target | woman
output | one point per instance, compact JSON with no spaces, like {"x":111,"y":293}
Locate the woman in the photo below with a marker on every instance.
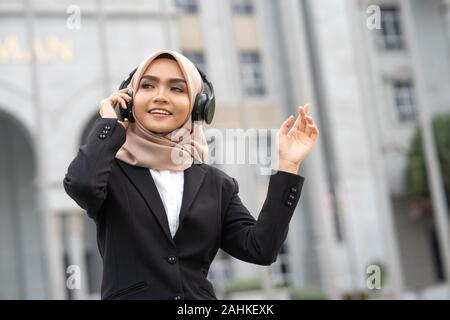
{"x":161,"y":212}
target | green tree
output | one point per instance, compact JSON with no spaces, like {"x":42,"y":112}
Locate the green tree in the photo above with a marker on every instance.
{"x":416,"y":175}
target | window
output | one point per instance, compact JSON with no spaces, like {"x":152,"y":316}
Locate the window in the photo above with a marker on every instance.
{"x":186,"y":6}
{"x":242,"y":6}
{"x":251,"y":73}
{"x":391,"y":37}
{"x":404,"y":100}
{"x":197,"y":58}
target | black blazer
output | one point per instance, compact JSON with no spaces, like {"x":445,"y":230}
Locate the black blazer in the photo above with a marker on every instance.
{"x":140,"y":258}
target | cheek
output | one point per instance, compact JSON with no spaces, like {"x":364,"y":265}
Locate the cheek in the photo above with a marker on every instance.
{"x":139,"y":104}
{"x":182,"y":106}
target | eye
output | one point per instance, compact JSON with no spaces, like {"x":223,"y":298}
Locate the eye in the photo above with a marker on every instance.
{"x":147,"y":85}
{"x":176,"y":88}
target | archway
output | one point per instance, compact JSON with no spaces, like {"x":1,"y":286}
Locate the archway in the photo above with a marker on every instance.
{"x":21,"y":246}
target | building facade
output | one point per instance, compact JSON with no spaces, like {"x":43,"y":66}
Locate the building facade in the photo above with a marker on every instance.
{"x":265,"y":57}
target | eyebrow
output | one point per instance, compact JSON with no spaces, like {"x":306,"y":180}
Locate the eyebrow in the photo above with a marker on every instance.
{"x":172,"y":80}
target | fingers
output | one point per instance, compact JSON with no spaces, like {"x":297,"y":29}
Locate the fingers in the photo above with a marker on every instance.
{"x":309,"y":129}
{"x":309,"y":120}
{"x":121,"y":97}
{"x":312,"y":131}
{"x":314,"y":134}
{"x":301,"y":122}
{"x":124,"y":96}
{"x":106,"y":106}
{"x":306,"y":108}
{"x":284,"y":129}
{"x":305,"y":122}
{"x":124,"y":123}
{"x":121,"y":101}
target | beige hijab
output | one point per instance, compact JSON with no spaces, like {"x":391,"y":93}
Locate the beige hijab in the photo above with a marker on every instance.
{"x":173,"y":151}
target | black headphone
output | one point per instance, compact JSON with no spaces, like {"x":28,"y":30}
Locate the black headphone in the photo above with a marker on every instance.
{"x":204,"y":104}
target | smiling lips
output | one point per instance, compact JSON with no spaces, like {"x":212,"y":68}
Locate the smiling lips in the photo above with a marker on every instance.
{"x":159,"y":113}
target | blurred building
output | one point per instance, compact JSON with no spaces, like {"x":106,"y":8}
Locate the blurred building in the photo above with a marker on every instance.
{"x":264,"y":58}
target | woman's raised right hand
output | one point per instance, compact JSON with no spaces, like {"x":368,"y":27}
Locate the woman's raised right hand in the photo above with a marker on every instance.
{"x":106,"y":106}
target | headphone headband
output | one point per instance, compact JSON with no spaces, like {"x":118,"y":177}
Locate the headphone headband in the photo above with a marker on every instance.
{"x":127,"y":81}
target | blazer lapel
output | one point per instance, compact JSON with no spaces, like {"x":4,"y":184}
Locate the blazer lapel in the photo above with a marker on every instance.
{"x":193,"y":179}
{"x":143,"y":181}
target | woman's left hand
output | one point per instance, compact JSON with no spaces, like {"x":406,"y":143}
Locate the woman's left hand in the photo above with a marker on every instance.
{"x":296,"y":142}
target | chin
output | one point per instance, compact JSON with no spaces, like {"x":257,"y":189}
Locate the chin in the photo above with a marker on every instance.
{"x":165,"y":126}
{"x":159,"y":128}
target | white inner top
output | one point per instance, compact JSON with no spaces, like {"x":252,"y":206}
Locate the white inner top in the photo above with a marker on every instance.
{"x":170,"y":185}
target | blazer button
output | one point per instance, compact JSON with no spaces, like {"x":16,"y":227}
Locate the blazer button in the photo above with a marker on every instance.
{"x":289,"y":203}
{"x":172,"y":259}
{"x":107,"y":127}
{"x":291,"y":197}
{"x":105,"y":131}
{"x":294,"y":189}
{"x":177,"y":298}
{"x":102,"y":136}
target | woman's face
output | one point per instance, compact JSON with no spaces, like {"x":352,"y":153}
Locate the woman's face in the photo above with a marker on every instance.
{"x":161,"y":102}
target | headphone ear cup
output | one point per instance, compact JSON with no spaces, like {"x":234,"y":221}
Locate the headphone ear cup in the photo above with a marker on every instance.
{"x":130,"y":107}
{"x":127,"y":113}
{"x":199,"y":106}
{"x":208,"y":112}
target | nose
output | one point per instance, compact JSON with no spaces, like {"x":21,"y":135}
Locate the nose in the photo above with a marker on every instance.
{"x":160,"y":98}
